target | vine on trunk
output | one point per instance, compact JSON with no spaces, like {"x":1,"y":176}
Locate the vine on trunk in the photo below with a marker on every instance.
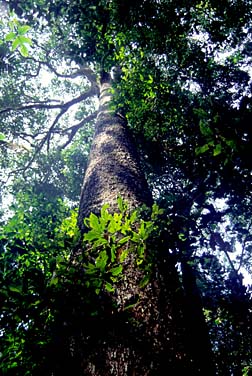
{"x":109,"y":240}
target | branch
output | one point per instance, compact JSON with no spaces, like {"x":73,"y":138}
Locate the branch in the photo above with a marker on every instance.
{"x":73,"y":130}
{"x":37,"y":105}
{"x":89,"y":93}
{"x":83,"y":71}
{"x":43,"y":105}
{"x":50,"y":131}
{"x":244,"y":247}
{"x":31,"y":75}
{"x":31,"y":100}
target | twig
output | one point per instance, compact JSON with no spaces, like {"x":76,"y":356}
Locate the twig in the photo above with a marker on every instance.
{"x":73,"y":130}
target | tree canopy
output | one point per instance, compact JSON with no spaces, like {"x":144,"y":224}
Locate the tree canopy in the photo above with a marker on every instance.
{"x":181,"y":78}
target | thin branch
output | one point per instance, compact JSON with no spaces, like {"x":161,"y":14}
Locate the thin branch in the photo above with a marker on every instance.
{"x":244,"y":247}
{"x":89,"y":93}
{"x":42,"y":105}
{"x":51,"y":129}
{"x":76,"y":127}
{"x":30,"y":75}
{"x":73,"y":130}
{"x":82,"y":71}
{"x":32,"y":100}
{"x":30,"y":106}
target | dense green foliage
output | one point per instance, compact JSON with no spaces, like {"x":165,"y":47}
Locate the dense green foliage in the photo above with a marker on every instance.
{"x":41,"y":280}
{"x":185,"y":89}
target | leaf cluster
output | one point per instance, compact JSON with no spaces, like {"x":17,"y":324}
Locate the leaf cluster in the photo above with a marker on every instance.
{"x":15,"y":33}
{"x":45,"y":284}
{"x":109,"y":240}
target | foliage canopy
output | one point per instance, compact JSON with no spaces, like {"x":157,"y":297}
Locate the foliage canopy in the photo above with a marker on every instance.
{"x":185,"y":89}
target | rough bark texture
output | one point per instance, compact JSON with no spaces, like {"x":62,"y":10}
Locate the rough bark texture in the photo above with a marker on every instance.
{"x":144,"y":340}
{"x":138,"y":331}
{"x":113,"y":167}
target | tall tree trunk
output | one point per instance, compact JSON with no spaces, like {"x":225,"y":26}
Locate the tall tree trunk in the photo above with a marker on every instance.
{"x":114,"y":168}
{"x":140,"y":331}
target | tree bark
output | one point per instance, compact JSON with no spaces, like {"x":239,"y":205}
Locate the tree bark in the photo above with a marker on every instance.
{"x":114,"y":167}
{"x":139,"y":330}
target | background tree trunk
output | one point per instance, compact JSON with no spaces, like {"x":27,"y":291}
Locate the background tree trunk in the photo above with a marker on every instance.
{"x":198,"y":342}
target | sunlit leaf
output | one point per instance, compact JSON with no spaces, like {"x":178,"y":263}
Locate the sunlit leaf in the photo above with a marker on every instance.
{"x":116,"y":270}
{"x":101,"y":260}
{"x":24,"y":40}
{"x":23,"y":29}
{"x":24,"y":50}
{"x":15,"y":44}
{"x":10,"y":36}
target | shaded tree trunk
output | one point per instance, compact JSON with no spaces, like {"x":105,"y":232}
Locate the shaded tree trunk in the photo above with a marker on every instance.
{"x":198,"y":342}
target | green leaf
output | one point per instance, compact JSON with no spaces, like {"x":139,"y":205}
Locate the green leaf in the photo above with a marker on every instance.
{"x":2,"y":137}
{"x":218,"y":321}
{"x":10,"y":36}
{"x":15,"y":289}
{"x":201,"y":149}
{"x":144,"y":281}
{"x":94,"y":221}
{"x":150,"y":81}
{"x":182,"y":237}
{"x":123,"y":240}
{"x":217,"y":150}
{"x":24,"y":40}
{"x":101,"y":260}
{"x":133,"y":216}
{"x":90,"y":268}
{"x":231,"y":143}
{"x":92,"y":235}
{"x":120,"y":203}
{"x":24,"y":50}
{"x":141,"y":252}
{"x":15,"y":44}
{"x":113,"y":252}
{"x":105,"y":215}
{"x":115,"y":224}
{"x":54,"y":281}
{"x":123,"y":255}
{"x":109,"y":287}
{"x":205,"y":129}
{"x":99,"y":242}
{"x":23,"y":29}
{"x":117,"y":270}
{"x":135,"y":237}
